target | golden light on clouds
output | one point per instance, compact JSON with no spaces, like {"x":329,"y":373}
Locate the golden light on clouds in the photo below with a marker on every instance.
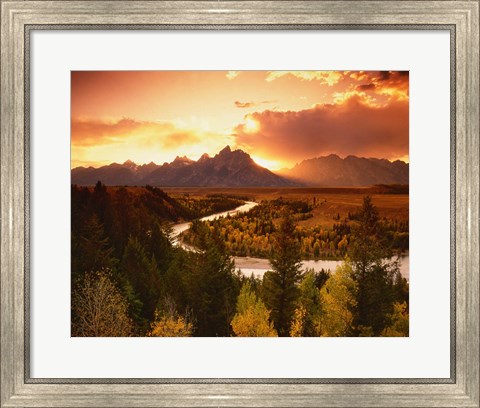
{"x":251,"y":125}
{"x":342,"y":97}
{"x":326,"y":77}
{"x":232,"y":74}
{"x":141,"y":142}
{"x":278,"y":117}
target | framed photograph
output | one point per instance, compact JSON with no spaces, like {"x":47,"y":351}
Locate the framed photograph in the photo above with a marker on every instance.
{"x":239,"y":203}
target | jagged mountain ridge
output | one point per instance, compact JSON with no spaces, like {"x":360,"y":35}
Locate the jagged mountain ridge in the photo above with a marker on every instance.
{"x":226,"y":169}
{"x":237,"y":169}
{"x":331,"y":170}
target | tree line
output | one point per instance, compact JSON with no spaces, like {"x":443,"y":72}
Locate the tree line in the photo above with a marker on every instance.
{"x":252,"y":233}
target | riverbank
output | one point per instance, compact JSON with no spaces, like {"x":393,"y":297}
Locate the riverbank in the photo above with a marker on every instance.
{"x":258,"y":266}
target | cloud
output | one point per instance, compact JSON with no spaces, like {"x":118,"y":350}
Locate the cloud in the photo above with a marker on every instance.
{"x":176,"y":140}
{"x":366,"y":87}
{"x":166,"y":135}
{"x":392,"y":84}
{"x":329,"y":78}
{"x":360,"y":75}
{"x":239,"y":104}
{"x":232,"y":74}
{"x":351,"y":126}
{"x":88,"y":132}
{"x":382,"y":86}
{"x":97,"y":141}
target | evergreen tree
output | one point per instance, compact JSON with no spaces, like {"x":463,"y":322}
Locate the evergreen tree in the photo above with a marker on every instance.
{"x":91,"y":250}
{"x":309,"y":308}
{"x":321,"y":277}
{"x":280,"y":285}
{"x":369,"y":253}
{"x":178,"y":278}
{"x":125,"y":222}
{"x":102,"y":204}
{"x":160,"y":245}
{"x":213,"y":284}
{"x":142,"y":274}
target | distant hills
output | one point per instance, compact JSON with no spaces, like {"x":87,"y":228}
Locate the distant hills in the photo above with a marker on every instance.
{"x":330,"y":171}
{"x":235,"y":168}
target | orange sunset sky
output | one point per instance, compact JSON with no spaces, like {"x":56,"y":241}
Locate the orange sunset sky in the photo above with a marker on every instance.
{"x":278,"y":117}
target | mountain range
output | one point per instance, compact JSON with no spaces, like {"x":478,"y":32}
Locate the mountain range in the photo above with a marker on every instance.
{"x":235,"y":168}
{"x":329,"y":171}
{"x":226,"y":169}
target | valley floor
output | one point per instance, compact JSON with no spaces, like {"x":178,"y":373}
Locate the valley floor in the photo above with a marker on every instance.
{"x":328,"y":202}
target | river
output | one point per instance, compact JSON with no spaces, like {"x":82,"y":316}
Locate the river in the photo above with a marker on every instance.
{"x":177,"y":229}
{"x":258,"y":266}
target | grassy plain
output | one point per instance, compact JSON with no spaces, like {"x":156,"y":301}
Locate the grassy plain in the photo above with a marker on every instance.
{"x":328,"y":203}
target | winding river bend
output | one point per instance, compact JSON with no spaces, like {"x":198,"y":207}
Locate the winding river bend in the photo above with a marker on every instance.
{"x":177,"y":229}
{"x":258,"y":266}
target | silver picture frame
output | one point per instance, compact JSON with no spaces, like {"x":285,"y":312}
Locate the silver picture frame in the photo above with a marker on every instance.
{"x":20,"y":18}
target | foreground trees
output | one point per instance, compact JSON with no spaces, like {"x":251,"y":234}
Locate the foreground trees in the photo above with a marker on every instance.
{"x":142,"y":273}
{"x":130,"y":280}
{"x":169,"y":323}
{"x":91,"y":249}
{"x":252,"y":317}
{"x":366,"y":296}
{"x":280,"y":286}
{"x":309,"y":309}
{"x":399,"y":321}
{"x":212,"y":283}
{"x":376,"y":277}
{"x":339,"y":301}
{"x":98,"y":307}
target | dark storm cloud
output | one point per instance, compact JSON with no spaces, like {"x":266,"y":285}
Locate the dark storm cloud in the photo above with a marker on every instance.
{"x":366,"y":87}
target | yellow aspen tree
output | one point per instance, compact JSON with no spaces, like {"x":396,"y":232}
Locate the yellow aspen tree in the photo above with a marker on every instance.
{"x":169,"y":323}
{"x":399,"y":326}
{"x":252,"y":317}
{"x":338,"y":297}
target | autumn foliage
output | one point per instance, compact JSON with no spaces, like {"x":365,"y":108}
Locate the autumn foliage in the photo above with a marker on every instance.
{"x":252,"y":318}
{"x":98,"y":307}
{"x":129,"y":278}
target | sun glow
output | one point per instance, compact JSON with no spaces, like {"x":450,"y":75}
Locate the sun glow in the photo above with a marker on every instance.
{"x":269,"y":164}
{"x":251,"y":125}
